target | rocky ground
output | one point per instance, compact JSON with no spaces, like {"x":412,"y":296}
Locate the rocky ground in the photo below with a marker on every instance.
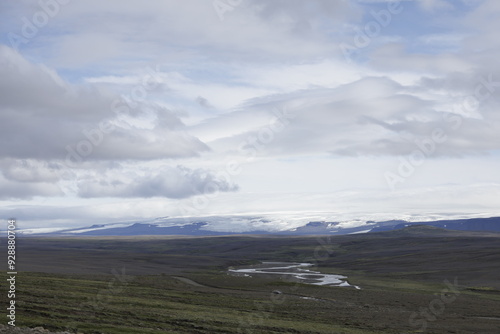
{"x":36,"y":330}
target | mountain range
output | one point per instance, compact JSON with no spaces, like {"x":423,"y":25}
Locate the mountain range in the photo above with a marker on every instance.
{"x":206,"y":227}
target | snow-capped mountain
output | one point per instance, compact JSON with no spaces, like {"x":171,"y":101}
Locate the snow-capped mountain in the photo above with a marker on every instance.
{"x":206,"y":226}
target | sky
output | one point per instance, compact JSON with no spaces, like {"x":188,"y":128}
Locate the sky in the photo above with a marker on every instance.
{"x":295,"y":110}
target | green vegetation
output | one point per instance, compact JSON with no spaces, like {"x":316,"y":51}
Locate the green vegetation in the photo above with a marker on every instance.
{"x":166,"y":285}
{"x":162,"y":304}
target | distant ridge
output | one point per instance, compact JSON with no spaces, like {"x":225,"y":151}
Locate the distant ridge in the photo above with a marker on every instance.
{"x":206,"y":227}
{"x":473,"y":224}
{"x":422,"y":230}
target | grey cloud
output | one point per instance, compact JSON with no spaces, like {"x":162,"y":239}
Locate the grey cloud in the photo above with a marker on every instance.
{"x":302,"y":12}
{"x":52,"y":130}
{"x":203,"y":102}
{"x":29,"y":170}
{"x":41,"y":116}
{"x":178,"y":182}
{"x":24,"y":190}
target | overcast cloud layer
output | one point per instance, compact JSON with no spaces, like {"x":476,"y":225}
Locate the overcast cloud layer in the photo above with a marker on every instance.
{"x":321,"y":109}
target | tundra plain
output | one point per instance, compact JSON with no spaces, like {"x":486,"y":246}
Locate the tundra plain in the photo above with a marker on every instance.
{"x":415,"y":280}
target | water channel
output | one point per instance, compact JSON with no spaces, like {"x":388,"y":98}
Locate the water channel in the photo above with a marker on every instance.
{"x":295,"y":272}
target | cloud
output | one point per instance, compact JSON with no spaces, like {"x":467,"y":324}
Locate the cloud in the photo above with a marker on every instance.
{"x":22,"y":190}
{"x":170,"y":182}
{"x":29,"y":170}
{"x":104,"y":37}
{"x":373,"y":116}
{"x":203,"y":102}
{"x":434,"y":5}
{"x":53,"y":130}
{"x":393,"y":58}
{"x":44,"y":117}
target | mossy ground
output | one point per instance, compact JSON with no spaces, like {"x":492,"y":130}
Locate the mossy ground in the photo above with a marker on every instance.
{"x":133,"y":286}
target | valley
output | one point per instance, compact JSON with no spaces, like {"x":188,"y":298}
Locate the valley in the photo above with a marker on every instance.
{"x":414,"y":280}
